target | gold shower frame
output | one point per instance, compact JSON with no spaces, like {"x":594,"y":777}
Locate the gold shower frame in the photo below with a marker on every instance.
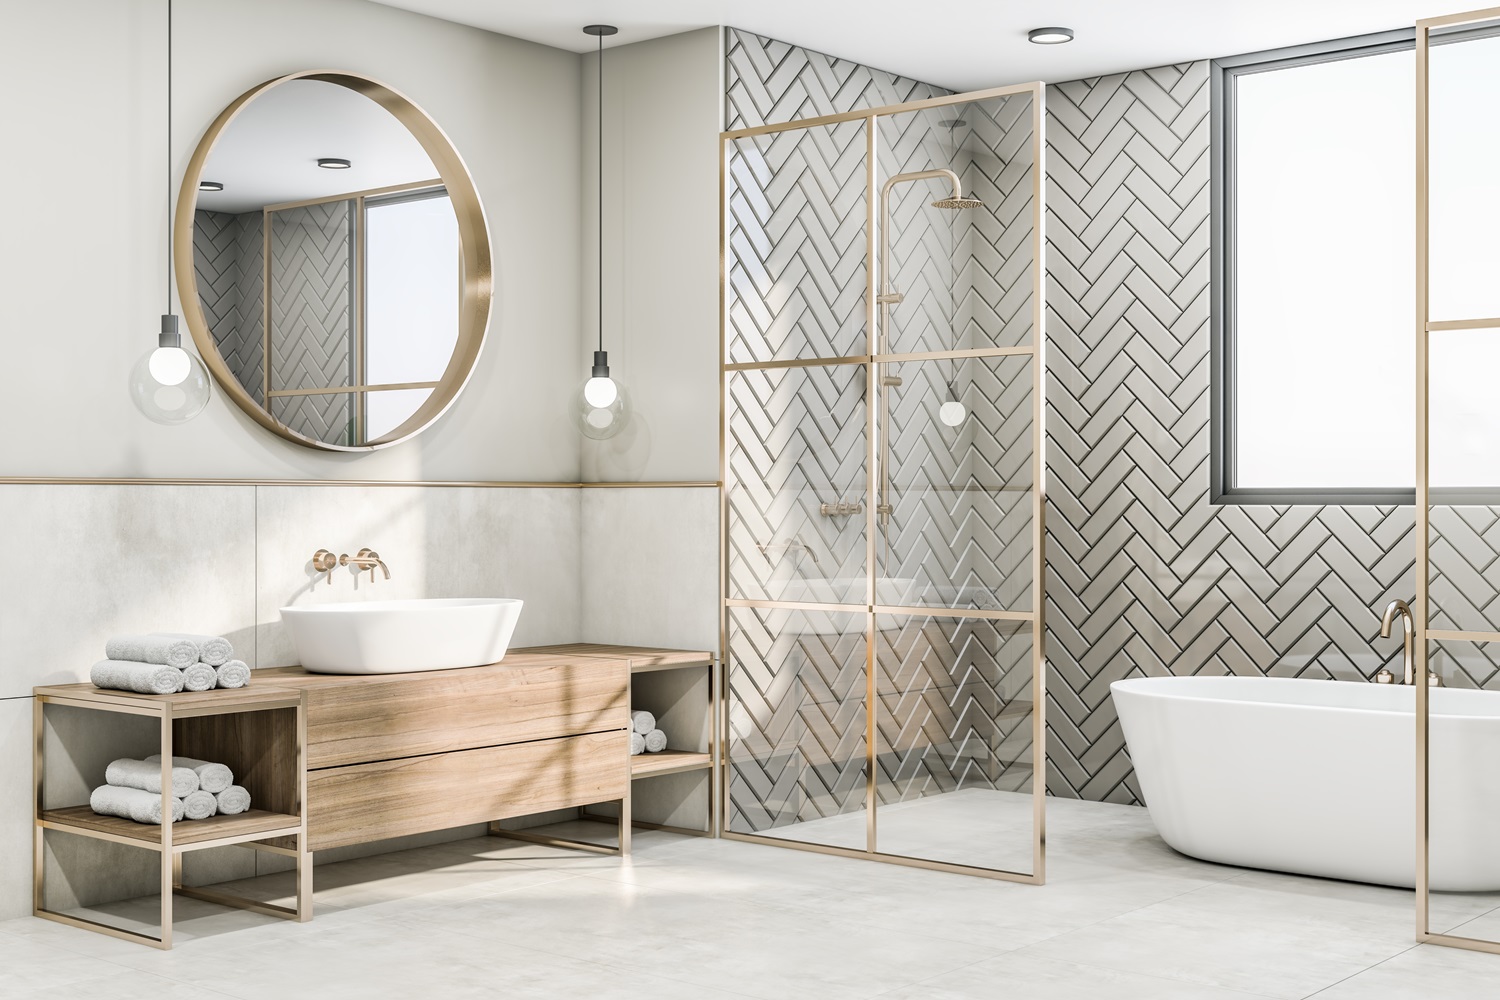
{"x":1425,"y":326}
{"x":872,"y":362}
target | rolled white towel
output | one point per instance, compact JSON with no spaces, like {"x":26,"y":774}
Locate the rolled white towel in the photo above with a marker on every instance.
{"x":215,"y":650}
{"x":131,"y":803}
{"x":146,"y":775}
{"x":637,"y":744}
{"x":200,"y":805}
{"x":142,"y":678}
{"x":233,"y":800}
{"x":212,"y":778}
{"x":656,"y":741}
{"x":642,"y":722}
{"x":234,"y":674}
{"x":199,"y":677}
{"x":174,"y":651}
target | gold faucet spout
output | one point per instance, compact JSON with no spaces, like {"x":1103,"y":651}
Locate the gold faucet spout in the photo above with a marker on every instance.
{"x":1408,"y":630}
{"x":366,"y":559}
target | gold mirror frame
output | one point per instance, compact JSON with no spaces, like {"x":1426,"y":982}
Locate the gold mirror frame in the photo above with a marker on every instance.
{"x":477,"y":279}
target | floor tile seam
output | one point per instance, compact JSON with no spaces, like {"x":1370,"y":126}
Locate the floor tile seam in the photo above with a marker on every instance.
{"x":1412,"y":947}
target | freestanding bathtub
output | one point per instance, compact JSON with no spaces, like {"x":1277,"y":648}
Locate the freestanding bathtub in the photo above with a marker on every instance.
{"x":1317,"y":777}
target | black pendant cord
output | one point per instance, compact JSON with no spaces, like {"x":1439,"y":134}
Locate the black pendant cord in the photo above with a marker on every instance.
{"x":601,"y":192}
{"x":168,"y":309}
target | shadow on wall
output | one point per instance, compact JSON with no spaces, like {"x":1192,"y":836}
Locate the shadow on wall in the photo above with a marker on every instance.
{"x":622,"y":458}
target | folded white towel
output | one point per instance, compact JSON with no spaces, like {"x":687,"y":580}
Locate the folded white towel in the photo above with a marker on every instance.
{"x":174,"y":651}
{"x":656,"y":741}
{"x":146,"y":775}
{"x":215,"y":650}
{"x":199,"y":677}
{"x":142,"y":678}
{"x":637,"y":744}
{"x":131,"y":803}
{"x":642,"y":722}
{"x":233,"y":800}
{"x":200,"y":805}
{"x":213,"y":778}
{"x":234,"y":674}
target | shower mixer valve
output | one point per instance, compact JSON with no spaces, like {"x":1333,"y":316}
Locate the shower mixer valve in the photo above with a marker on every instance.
{"x":841,"y":509}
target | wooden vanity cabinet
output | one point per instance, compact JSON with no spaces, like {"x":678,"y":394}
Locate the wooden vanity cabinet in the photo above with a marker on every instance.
{"x":395,"y":754}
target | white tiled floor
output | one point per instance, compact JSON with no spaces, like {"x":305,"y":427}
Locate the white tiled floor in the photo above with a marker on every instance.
{"x":1122,"y":917}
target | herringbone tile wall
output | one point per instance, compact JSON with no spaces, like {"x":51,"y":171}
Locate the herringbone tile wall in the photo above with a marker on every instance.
{"x":227,"y":255}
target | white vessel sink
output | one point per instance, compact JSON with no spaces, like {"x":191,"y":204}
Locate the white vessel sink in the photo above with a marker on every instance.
{"x":392,"y":637}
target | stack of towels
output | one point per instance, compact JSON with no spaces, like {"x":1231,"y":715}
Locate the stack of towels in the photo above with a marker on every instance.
{"x":644,"y":736}
{"x":200,"y":789}
{"x":168,"y":662}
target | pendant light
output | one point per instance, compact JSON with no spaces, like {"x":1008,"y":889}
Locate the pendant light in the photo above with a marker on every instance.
{"x":169,"y":384}
{"x":601,"y":407}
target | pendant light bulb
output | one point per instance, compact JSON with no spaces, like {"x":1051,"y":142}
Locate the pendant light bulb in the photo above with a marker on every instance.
{"x":600,"y":392}
{"x":169,"y":365}
{"x":952,"y":412}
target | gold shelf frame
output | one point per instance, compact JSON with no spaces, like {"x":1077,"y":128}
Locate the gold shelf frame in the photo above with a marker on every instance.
{"x":1425,"y":326}
{"x":872,"y":362}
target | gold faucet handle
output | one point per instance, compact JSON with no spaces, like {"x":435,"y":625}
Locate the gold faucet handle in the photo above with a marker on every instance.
{"x":324,"y":561}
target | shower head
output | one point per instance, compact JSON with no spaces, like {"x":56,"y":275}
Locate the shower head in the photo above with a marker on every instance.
{"x":958,"y":201}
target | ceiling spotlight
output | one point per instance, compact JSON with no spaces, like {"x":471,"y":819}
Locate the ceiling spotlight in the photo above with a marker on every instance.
{"x":210,"y":186}
{"x":334,"y":163}
{"x":1049,"y":36}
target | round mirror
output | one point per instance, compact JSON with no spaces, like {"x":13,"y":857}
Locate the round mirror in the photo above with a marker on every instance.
{"x":333,"y":260}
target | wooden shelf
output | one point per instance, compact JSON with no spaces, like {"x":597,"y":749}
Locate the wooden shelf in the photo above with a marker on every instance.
{"x":647,"y":765}
{"x":254,"y":824}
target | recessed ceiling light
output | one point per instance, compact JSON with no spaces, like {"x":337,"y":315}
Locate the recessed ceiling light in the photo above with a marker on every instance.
{"x":333,"y":163}
{"x":1049,"y":36}
{"x":210,"y":186}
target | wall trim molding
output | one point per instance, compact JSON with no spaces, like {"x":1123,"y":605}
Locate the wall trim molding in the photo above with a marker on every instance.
{"x":472,"y":484}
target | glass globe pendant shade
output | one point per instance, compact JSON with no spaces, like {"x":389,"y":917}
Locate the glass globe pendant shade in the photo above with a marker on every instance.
{"x":168,"y":384}
{"x":602,"y":407}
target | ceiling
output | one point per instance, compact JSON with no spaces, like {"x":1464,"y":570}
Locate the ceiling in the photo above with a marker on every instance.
{"x":268,"y":155}
{"x":962,"y":44}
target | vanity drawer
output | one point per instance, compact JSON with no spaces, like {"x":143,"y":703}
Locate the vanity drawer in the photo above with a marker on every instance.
{"x":393,"y":798}
{"x":406,"y":715}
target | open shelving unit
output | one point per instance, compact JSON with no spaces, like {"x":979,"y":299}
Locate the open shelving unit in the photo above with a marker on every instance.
{"x":260,"y":732}
{"x":646,"y":661}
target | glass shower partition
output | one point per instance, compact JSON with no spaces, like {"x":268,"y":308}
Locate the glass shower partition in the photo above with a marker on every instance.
{"x":1457,"y":608}
{"x":882,"y":467}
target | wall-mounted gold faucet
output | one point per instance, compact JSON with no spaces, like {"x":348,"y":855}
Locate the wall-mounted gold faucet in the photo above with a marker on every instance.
{"x":324,"y":561}
{"x":366,"y":559}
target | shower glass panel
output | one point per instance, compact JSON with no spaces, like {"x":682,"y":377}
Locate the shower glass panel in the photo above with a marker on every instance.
{"x":798,"y":760}
{"x":1457,"y":606}
{"x":882,"y":475}
{"x":957,"y":472}
{"x":797,"y":234}
{"x":797,"y":447}
{"x":954,"y":739}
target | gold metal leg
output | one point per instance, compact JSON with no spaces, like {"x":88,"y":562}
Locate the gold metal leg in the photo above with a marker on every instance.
{"x":304,"y":880}
{"x":625,"y":826}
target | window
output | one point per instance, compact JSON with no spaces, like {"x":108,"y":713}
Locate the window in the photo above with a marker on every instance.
{"x":1314,"y":297}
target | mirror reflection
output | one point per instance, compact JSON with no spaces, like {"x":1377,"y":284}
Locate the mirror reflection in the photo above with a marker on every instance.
{"x":328,"y":262}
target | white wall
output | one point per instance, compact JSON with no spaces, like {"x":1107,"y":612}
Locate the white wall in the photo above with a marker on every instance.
{"x":82,"y":257}
{"x":663,"y":107}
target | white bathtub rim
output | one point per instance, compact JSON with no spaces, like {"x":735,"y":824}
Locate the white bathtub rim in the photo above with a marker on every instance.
{"x":1143,"y":687}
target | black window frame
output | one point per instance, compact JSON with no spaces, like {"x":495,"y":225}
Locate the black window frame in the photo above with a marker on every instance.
{"x":1222,"y":76}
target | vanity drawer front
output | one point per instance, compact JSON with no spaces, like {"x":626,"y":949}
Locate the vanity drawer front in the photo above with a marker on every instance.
{"x":365,"y":802}
{"x":351,"y":723}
